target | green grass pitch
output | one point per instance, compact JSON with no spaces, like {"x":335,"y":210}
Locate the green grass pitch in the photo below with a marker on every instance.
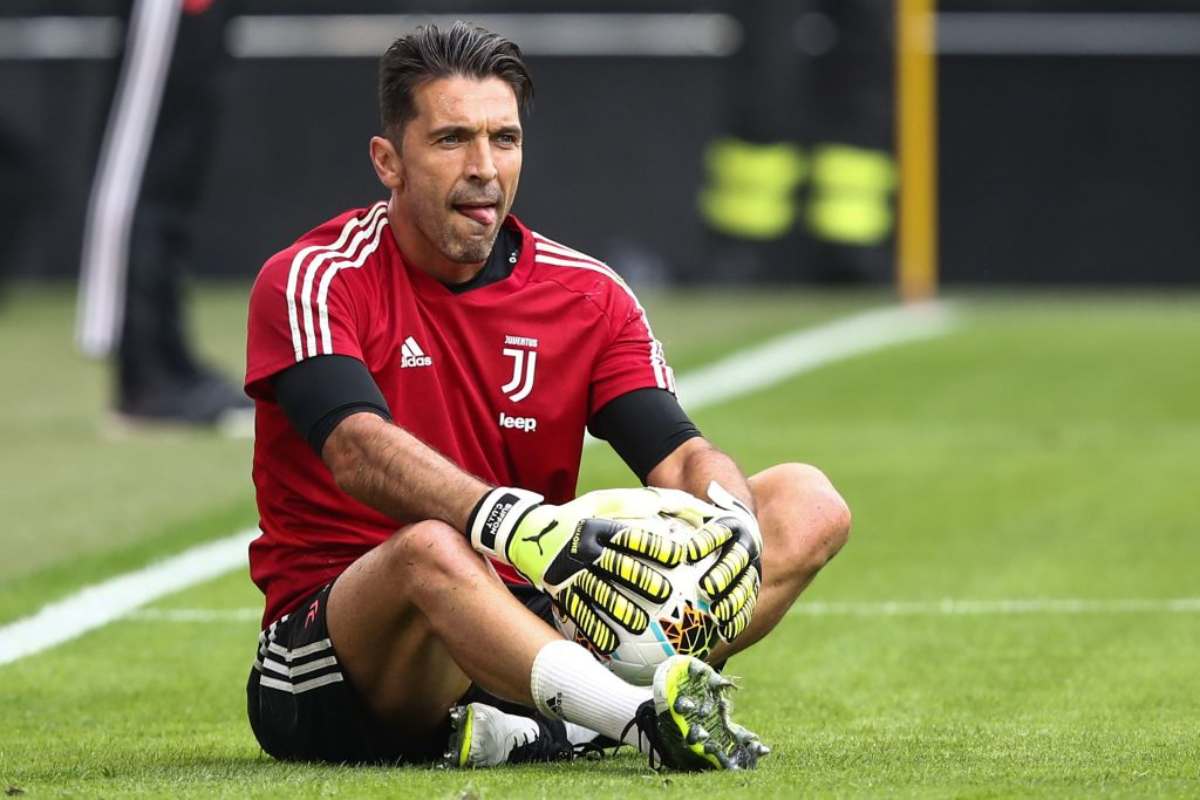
{"x":1048,"y":447}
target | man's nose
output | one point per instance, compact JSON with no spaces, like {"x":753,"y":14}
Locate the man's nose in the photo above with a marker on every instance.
{"x":480,"y":165}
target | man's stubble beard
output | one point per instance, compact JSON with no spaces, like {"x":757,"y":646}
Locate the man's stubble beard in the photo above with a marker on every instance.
{"x":438,"y":229}
{"x":469,"y":251}
{"x":430,"y":219}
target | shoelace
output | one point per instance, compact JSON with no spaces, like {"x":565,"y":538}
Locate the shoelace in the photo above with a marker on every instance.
{"x":546,"y":746}
{"x":539,"y":748}
{"x":654,"y":749}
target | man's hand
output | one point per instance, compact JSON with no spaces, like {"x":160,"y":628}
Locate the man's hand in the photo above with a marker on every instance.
{"x":733,"y":582}
{"x":583,"y":553}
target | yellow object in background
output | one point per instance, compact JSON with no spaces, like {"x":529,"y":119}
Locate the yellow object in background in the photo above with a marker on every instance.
{"x":751,"y":189}
{"x":851,"y":199}
{"x":916,"y":147}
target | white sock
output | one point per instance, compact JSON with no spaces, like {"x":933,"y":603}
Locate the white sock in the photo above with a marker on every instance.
{"x":568,"y":684}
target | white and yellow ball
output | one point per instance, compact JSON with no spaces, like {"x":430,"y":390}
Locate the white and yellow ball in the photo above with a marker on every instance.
{"x":679,"y":625}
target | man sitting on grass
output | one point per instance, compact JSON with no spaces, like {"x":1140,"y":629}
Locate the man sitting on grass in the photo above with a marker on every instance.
{"x":424,"y":370}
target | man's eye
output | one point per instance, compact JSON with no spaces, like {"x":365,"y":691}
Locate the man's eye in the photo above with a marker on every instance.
{"x":451,"y":138}
{"x":506,"y":138}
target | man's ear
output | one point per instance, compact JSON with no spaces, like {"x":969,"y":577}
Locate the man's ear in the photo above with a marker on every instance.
{"x":387,"y":163}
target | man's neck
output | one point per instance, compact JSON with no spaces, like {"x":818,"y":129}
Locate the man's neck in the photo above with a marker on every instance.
{"x":422,"y":254}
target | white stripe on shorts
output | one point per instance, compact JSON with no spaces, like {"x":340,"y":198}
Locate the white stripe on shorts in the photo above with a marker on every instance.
{"x":304,"y":686}
{"x":299,"y":652}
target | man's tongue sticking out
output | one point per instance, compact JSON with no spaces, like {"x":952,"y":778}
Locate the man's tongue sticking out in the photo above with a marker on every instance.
{"x":484,"y":215}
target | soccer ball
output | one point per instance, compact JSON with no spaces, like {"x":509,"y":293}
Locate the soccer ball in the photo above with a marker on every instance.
{"x":681,"y":624}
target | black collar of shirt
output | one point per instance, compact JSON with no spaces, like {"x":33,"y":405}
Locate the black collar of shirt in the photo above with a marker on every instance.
{"x":499,"y":265}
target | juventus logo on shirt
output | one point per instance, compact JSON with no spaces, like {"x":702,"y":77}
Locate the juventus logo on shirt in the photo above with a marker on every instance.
{"x":523,"y":351}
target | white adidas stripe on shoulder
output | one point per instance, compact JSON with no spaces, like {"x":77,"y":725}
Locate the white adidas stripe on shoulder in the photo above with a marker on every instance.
{"x":293,"y":276}
{"x":544,"y":246}
{"x":376,"y":236}
{"x":557,"y":254}
{"x":358,"y":228}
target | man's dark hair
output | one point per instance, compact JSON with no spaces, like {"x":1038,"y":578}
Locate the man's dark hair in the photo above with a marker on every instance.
{"x":428,"y":54}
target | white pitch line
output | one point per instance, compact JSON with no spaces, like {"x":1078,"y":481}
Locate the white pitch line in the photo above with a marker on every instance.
{"x":101,"y":603}
{"x":784,"y":357}
{"x":946,"y":607}
{"x":741,"y":373}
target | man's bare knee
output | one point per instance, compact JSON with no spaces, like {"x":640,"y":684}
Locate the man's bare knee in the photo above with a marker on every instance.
{"x":810,"y":519}
{"x":430,"y":557}
{"x":816,"y":496}
{"x":380,"y":622}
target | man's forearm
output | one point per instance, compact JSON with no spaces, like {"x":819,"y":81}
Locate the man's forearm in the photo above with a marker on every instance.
{"x":694,"y":465}
{"x":390,"y":470}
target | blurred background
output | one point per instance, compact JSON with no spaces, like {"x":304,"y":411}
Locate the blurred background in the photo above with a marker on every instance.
{"x":696,"y":141}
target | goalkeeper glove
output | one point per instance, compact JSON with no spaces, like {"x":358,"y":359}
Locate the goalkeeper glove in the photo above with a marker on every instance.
{"x":733,"y":582}
{"x":582,"y":553}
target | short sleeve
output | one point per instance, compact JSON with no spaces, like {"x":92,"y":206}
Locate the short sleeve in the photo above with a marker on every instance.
{"x":299,"y":308}
{"x":633,"y":358}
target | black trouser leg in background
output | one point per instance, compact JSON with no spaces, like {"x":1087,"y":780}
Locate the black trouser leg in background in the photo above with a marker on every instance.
{"x":849,"y":211}
{"x":756,"y":168}
{"x":14,"y":202}
{"x":153,"y":342}
{"x":801,"y":185}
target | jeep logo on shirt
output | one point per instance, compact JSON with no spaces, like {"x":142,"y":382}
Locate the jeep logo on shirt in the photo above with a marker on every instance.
{"x":527,"y":424}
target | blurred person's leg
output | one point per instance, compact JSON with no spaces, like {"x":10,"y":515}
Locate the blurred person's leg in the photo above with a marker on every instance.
{"x":144,"y":65}
{"x":14,"y":200}
{"x":850,"y":211}
{"x":140,"y":228}
{"x":22,"y":187}
{"x":159,"y":373}
{"x":755,"y":169}
{"x":801,"y":187}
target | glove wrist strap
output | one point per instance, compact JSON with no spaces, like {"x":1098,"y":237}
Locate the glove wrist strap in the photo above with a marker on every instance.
{"x":496,"y":516}
{"x":721,"y":498}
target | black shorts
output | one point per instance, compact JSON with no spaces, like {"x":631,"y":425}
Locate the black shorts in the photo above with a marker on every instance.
{"x":302,"y":707}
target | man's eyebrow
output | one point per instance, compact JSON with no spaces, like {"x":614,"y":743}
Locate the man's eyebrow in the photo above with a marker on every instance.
{"x":466,"y":131}
{"x":445,"y":130}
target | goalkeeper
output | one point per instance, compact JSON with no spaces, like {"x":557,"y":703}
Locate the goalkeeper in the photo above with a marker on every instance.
{"x":423,"y":371}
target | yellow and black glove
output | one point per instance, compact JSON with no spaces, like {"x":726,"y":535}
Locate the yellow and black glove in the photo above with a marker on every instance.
{"x":586,"y":554}
{"x":733,"y":582}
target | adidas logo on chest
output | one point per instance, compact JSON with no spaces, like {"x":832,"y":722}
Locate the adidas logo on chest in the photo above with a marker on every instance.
{"x":411,"y":355}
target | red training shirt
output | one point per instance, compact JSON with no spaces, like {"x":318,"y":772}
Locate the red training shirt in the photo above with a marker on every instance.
{"x":500,"y":379}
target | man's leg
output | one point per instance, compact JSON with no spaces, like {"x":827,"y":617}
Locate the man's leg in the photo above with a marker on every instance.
{"x":804,"y":523}
{"x":419,"y":617}
{"x":414,"y":617}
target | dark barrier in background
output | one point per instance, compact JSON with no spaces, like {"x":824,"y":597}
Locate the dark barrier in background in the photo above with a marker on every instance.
{"x":1070,"y":146}
{"x":613,"y":148}
{"x":1056,"y":166}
